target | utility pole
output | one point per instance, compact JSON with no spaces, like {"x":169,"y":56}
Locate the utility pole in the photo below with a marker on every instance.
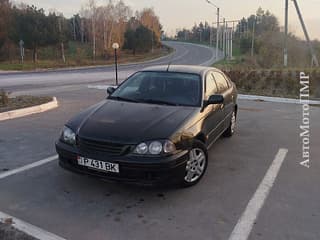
{"x":211,"y":37}
{"x":231,"y":44}
{"x":253,"y":35}
{"x":227,"y":41}
{"x":285,"y":50}
{"x":224,"y":38}
{"x":217,"y":40}
{"x":313,"y":54}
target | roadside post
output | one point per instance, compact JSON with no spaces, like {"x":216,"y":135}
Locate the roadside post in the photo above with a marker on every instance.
{"x":21,"y":44}
{"x":116,"y":46}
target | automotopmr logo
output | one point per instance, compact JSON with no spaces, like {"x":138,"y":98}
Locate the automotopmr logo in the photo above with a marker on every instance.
{"x":305,"y":122}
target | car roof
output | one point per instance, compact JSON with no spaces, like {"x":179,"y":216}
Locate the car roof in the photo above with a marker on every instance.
{"x":181,"y":69}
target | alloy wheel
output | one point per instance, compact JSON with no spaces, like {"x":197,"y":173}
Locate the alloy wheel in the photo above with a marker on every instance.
{"x":195,"y":165}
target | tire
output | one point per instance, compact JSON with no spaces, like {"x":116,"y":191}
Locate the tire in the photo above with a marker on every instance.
{"x":195,"y":169}
{"x":232,"y":125}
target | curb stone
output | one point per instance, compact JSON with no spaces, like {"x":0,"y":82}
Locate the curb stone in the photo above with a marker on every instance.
{"x":18,"y":113}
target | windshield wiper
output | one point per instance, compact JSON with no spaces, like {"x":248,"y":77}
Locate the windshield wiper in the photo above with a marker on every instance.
{"x":155,"y":101}
{"x":122,"y":99}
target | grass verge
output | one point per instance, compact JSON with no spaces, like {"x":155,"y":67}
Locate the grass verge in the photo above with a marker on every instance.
{"x":274,"y":83}
{"x":81,"y":60}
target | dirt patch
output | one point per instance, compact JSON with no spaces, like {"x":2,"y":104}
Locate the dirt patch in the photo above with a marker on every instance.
{"x":8,"y":232}
{"x":251,"y":109}
{"x":23,"y":102}
{"x":274,"y":83}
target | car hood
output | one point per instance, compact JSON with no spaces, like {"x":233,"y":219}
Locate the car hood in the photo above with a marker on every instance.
{"x":128,"y":122}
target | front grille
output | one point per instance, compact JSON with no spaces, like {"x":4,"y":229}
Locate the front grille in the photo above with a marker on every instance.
{"x":91,"y":146}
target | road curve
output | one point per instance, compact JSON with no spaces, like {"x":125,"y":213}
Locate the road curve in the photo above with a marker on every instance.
{"x":185,"y":53}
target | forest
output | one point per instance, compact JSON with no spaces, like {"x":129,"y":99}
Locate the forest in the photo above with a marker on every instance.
{"x":87,"y":35}
{"x":268,"y":35}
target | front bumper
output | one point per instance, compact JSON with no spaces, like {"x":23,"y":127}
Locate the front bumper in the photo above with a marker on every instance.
{"x":133,"y":169}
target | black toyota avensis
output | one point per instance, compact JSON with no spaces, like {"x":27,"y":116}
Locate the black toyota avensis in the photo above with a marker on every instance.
{"x":156,"y":127}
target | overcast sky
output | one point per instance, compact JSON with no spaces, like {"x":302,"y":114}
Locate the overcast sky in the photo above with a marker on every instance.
{"x":176,"y":14}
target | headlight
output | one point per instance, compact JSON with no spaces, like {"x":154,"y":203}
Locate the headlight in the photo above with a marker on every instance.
{"x":142,"y":148}
{"x":68,"y":136}
{"x":155,"y":147}
{"x":169,"y":147}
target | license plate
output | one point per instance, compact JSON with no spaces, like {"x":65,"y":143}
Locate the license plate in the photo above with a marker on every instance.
{"x":99,"y":165}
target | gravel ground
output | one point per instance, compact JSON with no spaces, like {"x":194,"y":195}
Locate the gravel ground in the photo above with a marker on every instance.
{"x":7,"y":232}
{"x":23,"y":102}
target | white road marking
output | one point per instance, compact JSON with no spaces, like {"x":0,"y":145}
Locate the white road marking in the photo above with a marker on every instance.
{"x":100,"y":87}
{"x":27,"y":167}
{"x":276,"y":99}
{"x":245,"y":224}
{"x":29,"y":229}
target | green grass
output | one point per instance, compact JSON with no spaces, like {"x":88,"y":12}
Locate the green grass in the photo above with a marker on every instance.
{"x":77,"y":55}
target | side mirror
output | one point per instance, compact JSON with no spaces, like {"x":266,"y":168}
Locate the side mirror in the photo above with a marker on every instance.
{"x":110,"y":90}
{"x":215,"y":99}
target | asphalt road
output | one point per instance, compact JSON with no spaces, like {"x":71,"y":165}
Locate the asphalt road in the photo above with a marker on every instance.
{"x":185,"y":53}
{"x":79,"y":207}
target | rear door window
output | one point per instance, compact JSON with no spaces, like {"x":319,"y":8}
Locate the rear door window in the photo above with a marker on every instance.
{"x":211,"y":87}
{"x":221,"y":82}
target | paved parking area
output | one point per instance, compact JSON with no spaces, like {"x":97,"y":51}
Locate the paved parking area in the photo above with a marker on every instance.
{"x":79,"y":207}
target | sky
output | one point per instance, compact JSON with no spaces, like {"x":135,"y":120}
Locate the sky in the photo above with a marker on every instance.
{"x":178,"y":14}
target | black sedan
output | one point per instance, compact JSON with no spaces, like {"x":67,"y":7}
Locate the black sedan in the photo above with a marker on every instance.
{"x":156,"y":127}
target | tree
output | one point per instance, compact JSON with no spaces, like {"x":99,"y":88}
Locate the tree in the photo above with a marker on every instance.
{"x":92,"y":9}
{"x":130,"y":40}
{"x":108,"y":23}
{"x":58,"y":28}
{"x":98,"y":25}
{"x":31,"y":26}
{"x":138,"y":40}
{"x":143,"y":38}
{"x":150,"y":20}
{"x":90,"y":12}
{"x":5,"y":20}
{"x":62,"y":34}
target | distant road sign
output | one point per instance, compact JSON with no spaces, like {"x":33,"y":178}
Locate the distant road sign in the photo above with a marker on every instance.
{"x":21,"y":43}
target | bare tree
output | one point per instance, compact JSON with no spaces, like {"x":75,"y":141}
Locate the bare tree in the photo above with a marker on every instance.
{"x":60,"y":18}
{"x":89,"y":12}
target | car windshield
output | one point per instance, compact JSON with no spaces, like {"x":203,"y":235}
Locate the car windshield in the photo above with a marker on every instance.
{"x":167,"y":88}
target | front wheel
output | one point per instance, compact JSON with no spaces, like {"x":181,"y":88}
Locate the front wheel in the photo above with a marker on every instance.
{"x":196,"y":165}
